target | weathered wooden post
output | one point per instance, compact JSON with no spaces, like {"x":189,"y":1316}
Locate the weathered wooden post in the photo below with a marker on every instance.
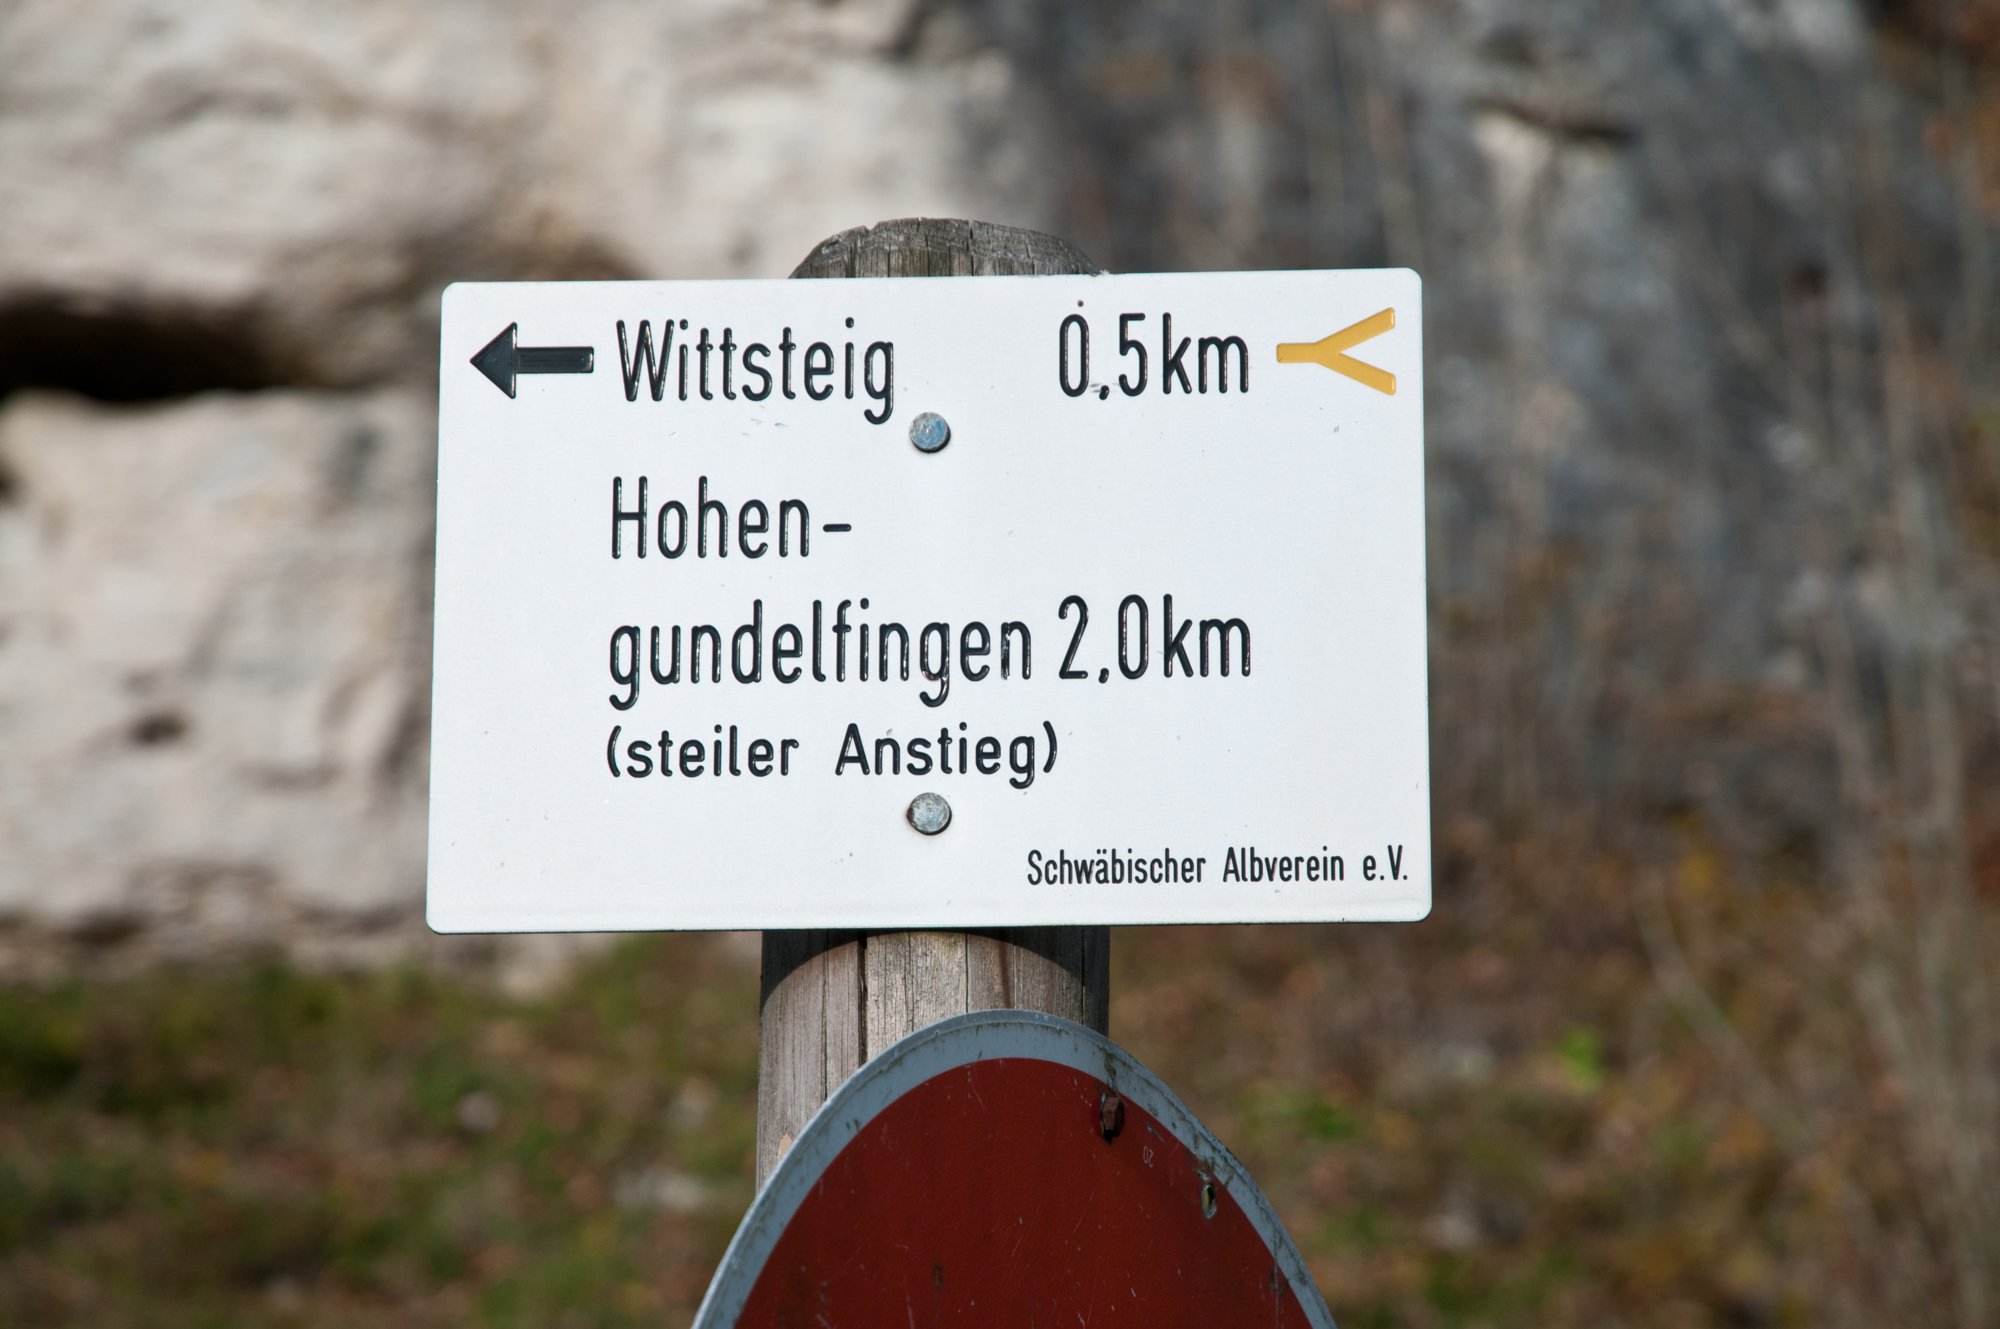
{"x":830,"y":1000}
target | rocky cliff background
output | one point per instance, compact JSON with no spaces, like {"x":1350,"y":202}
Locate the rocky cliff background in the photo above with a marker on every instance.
{"x":1713,"y":301}
{"x":1712,"y":284}
{"x":223,"y":235}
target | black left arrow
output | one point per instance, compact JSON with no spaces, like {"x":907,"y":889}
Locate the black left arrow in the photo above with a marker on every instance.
{"x":501,"y":359}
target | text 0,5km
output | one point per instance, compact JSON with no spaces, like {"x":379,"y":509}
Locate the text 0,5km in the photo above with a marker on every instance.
{"x":1192,"y":363}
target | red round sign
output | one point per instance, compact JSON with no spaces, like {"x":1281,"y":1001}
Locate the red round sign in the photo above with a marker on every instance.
{"x":1009,"y":1168}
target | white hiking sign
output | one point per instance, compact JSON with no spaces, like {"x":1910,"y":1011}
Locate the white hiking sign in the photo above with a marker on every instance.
{"x":985,"y":602}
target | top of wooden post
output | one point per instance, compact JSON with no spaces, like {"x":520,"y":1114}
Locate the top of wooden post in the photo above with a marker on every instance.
{"x":943,"y":247}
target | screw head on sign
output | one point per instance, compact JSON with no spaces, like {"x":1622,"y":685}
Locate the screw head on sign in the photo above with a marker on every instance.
{"x":929,"y":813}
{"x":929,"y":432}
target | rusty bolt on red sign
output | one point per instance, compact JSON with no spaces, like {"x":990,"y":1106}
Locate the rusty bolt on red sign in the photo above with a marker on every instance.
{"x":1110,"y":1115}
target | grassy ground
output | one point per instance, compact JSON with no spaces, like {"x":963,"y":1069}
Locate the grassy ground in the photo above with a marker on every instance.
{"x":257,"y":1146}
{"x":1479,"y":1120}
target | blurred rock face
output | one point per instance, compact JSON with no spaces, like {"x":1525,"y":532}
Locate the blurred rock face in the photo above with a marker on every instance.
{"x":217,"y":634}
{"x":226,"y":229}
{"x":1682,"y":262}
{"x":299,"y":181}
{"x":1708,"y":307}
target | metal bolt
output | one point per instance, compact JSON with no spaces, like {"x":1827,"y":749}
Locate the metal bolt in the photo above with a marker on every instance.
{"x":929,"y":813}
{"x":1110,"y":1114}
{"x":929,"y":432}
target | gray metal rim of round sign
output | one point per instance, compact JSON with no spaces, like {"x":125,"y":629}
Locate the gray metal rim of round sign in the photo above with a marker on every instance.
{"x":944,"y":1046}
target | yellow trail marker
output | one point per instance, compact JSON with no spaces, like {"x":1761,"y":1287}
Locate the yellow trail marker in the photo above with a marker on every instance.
{"x":1331,"y":352}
